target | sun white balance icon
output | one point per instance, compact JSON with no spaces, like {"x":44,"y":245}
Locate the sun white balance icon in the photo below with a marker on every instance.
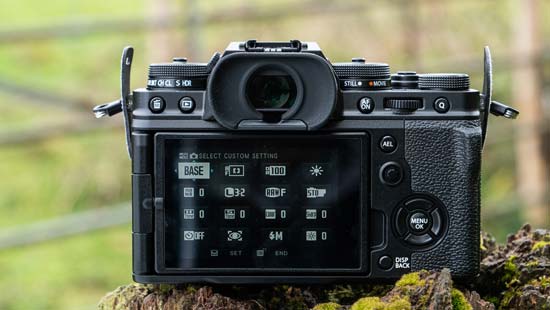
{"x":316,"y":170}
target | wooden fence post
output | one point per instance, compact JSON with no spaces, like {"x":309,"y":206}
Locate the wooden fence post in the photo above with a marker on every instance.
{"x":527,"y":96}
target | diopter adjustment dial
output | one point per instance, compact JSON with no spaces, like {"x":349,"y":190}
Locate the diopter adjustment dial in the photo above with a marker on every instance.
{"x":359,"y":74}
{"x":403,"y":106}
{"x":444,"y":81}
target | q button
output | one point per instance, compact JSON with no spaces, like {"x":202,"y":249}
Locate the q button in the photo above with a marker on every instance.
{"x":442,"y":105}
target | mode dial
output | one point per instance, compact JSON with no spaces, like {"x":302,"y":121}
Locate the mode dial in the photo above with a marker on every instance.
{"x":444,"y":81}
{"x":403,"y":106}
{"x":359,"y":74}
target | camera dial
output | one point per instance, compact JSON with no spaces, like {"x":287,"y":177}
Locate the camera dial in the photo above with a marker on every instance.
{"x":180,"y":74}
{"x":404,"y":80}
{"x":359,"y":74}
{"x":444,"y":81}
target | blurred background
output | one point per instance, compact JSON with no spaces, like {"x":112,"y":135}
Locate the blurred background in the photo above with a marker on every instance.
{"x":65,"y":182}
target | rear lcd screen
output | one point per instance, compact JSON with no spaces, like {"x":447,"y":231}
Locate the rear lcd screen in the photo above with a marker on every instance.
{"x":262,"y":202}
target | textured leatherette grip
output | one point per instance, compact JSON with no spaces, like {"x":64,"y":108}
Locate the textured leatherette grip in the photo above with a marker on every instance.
{"x":445,"y":160}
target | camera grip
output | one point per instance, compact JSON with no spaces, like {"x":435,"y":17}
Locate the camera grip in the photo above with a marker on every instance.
{"x":445,"y":159}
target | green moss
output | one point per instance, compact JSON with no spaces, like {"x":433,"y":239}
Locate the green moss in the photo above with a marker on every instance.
{"x":190,"y":289}
{"x":544,"y":282}
{"x":492,"y":299}
{"x":539,"y":245}
{"x":481,"y":246}
{"x":327,"y":306}
{"x":458,"y":300}
{"x":165,"y":288}
{"x":425,"y":298}
{"x":506,"y":298}
{"x":412,"y":278}
{"x":510,"y":272}
{"x":340,"y":293}
{"x":374,"y":303}
{"x":347,"y":294}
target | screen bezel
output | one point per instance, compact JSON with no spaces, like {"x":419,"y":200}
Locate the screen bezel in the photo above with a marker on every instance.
{"x":159,"y":216}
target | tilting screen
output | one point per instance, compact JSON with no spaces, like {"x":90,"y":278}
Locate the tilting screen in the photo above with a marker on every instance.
{"x":263,"y":202}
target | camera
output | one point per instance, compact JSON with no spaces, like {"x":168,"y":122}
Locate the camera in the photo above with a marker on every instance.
{"x":271,"y":164}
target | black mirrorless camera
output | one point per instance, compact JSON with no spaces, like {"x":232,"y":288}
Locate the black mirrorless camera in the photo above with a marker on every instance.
{"x":271,"y":164}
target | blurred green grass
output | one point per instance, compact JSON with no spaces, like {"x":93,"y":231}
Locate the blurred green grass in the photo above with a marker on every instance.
{"x":69,"y":273}
{"x":63,"y":175}
{"x":78,"y":171}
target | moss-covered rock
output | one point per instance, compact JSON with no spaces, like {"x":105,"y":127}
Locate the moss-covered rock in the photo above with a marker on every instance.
{"x":459,"y":301}
{"x":513,"y":275}
{"x":375,"y":303}
{"x":328,"y":306}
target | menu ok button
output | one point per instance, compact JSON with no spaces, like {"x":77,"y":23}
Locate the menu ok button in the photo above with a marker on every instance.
{"x":419,"y":222}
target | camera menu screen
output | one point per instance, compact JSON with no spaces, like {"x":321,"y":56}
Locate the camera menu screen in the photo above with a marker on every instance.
{"x":262,"y":202}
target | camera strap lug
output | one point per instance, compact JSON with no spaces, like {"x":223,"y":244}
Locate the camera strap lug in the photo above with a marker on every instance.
{"x":500,"y":109}
{"x":487,"y":105}
{"x":124,"y":103}
{"x":107,"y":109}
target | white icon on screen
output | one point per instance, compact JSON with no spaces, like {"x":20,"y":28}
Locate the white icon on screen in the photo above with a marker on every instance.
{"x":275,"y":235}
{"x":193,"y":170}
{"x":313,"y":192}
{"x":311,"y":214}
{"x":188,"y":192}
{"x":234,"y":170}
{"x":311,"y":235}
{"x":229,"y":214}
{"x":275,"y":192}
{"x":275,"y":170}
{"x":191,"y":235}
{"x":231,"y":192}
{"x":236,"y":235}
{"x":316,"y":170}
{"x":188,"y":214}
{"x":270,"y":214}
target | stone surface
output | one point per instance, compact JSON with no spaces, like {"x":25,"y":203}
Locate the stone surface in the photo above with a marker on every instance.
{"x":513,"y":276}
{"x":517,"y":275}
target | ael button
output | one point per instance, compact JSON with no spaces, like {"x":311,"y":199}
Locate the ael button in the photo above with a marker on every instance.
{"x":388,"y":144}
{"x":391,"y":173}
